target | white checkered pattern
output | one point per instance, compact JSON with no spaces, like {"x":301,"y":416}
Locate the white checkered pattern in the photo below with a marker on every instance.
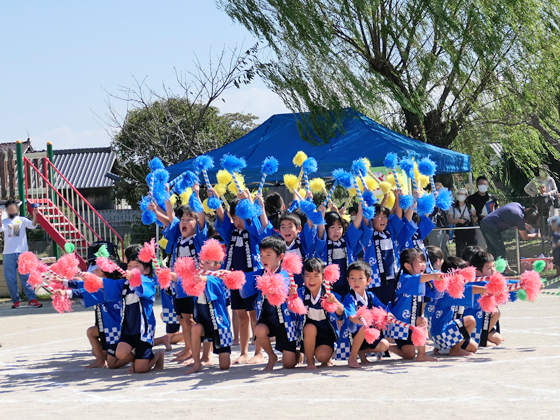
{"x":475,"y":335}
{"x":375,"y":279}
{"x":169,"y":316}
{"x":342,"y":351}
{"x":112,"y":335}
{"x":291,"y":330}
{"x":226,"y":337}
{"x":150,"y":333}
{"x":451,"y":335}
{"x":398,"y":332}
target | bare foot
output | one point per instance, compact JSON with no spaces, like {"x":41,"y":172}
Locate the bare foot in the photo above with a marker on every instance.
{"x":206,"y":362}
{"x":188,"y":362}
{"x":328,"y":364}
{"x":235,"y":342}
{"x":131,"y":369}
{"x":179,"y":353}
{"x":272,"y":359}
{"x":426,"y":358}
{"x":300,"y":358}
{"x":496,"y":338}
{"x":311,"y":366}
{"x":353,"y":363}
{"x":167,"y":343}
{"x":241,"y":360}
{"x":365,"y":361}
{"x":159,"y":363}
{"x":196,"y":367}
{"x":97,"y":364}
{"x":436,"y":351}
{"x":490,"y":344}
{"x":459,"y":352}
{"x":183,"y":358}
{"x":256,"y":359}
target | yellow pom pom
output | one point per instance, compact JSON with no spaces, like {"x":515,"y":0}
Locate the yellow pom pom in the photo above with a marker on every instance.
{"x":220,"y":189}
{"x":233,"y":188}
{"x":390,"y":201}
{"x":163,"y":243}
{"x":223,"y":177}
{"x":207,"y":209}
{"x":185,"y":195}
{"x":367,"y":162}
{"x":317,"y":185}
{"x":299,"y":158}
{"x":371,"y":183}
{"x":352,"y":192}
{"x":173,"y":199}
{"x":302,"y":192}
{"x":423,"y":181}
{"x":385,"y":187}
{"x":360,"y":184}
{"x":347,"y":218}
{"x":291,"y":182}
{"x":391,"y":180}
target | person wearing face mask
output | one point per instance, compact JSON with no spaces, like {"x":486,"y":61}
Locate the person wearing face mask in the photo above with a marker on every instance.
{"x":484,"y":204}
{"x":15,"y":243}
{"x":462,"y":214}
{"x":533,"y":187}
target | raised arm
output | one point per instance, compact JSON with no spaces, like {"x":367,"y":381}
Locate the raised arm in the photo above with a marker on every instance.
{"x":201,"y":215}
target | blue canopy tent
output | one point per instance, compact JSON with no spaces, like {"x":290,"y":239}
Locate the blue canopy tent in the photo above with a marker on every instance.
{"x":362,"y":137}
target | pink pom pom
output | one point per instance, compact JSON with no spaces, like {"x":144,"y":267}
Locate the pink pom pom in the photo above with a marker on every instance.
{"x":469,"y":273}
{"x":92,"y":283}
{"x":194,"y":287}
{"x":234,"y":280}
{"x":295,"y":304}
{"x":456,"y":286}
{"x":148,"y":253}
{"x":371,"y":334}
{"x":164,"y":278}
{"x":106,"y":265}
{"x":136,"y":279}
{"x":502,"y":299}
{"x":292,"y":263}
{"x":42,"y":267}
{"x":275,"y":288}
{"x":497,"y":284}
{"x":69,"y":266}
{"x":364,"y":313}
{"x":35,"y":279}
{"x":332,"y":273}
{"x":441,"y":285}
{"x":56,"y":285}
{"x":276,"y":299}
{"x":61,"y":303}
{"x":212,"y":250}
{"x":419,"y":336}
{"x":379,"y":318}
{"x":487,"y":302}
{"x":27,"y":262}
{"x":532,"y":284}
{"x":329,"y":306}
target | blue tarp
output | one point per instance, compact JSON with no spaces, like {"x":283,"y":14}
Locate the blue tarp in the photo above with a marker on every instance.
{"x":362,"y":137}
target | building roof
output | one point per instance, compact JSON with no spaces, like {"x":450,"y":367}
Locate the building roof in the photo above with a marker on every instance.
{"x":86,"y":168}
{"x":12,"y":145}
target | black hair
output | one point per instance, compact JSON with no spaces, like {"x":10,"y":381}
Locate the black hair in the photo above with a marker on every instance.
{"x":415,"y":218}
{"x":273,"y":204}
{"x":360,"y":266}
{"x":10,"y":202}
{"x":380,"y":209}
{"x":408,"y":256}
{"x":131,"y":250}
{"x":481,"y":178}
{"x":232,"y":206}
{"x":332,"y":217}
{"x":115,"y":275}
{"x":314,"y":265}
{"x":453,"y":262}
{"x":480,"y":258}
{"x":274,"y":243}
{"x":434,"y":254}
{"x":186,"y":209}
{"x":532,"y":216}
{"x":134,"y":257}
{"x":294,"y":218}
{"x":469,"y":251}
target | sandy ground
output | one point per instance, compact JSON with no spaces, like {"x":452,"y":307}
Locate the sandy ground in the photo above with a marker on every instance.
{"x":42,"y":375}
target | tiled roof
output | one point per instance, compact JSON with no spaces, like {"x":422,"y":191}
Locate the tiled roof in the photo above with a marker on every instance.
{"x":86,"y":168}
{"x":12,"y":145}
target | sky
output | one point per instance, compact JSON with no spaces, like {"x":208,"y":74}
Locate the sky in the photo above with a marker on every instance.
{"x":60,"y":59}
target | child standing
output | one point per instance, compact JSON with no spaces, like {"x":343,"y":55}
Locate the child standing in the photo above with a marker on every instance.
{"x":555,"y":228}
{"x":319,"y":327}
{"x":359,"y":278}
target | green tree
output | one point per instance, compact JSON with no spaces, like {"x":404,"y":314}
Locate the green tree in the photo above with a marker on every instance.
{"x":454,"y":73}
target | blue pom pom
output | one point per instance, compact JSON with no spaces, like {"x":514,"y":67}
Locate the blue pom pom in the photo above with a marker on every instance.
{"x":293,"y":206}
{"x":195,"y":204}
{"x":203,"y":163}
{"x":160,"y":195}
{"x":144,"y":203}
{"x":310,"y":165}
{"x":214,"y":203}
{"x":161,"y":175}
{"x":426,"y":204}
{"x":391,"y":160}
{"x":444,"y":199}
{"x":270,"y":166}
{"x":148,"y":217}
{"x":307,"y":206}
{"x":257,"y":210}
{"x":359,"y":167}
{"x":369,"y":213}
{"x":369,"y":198}
{"x":406,"y":201}
{"x":149,"y":178}
{"x":427,"y":167}
{"x":232,"y":163}
{"x":337,"y":174}
{"x":407,"y":165}
{"x":245,"y":209}
{"x":346,"y":181}
{"x":316,"y":218}
{"x":188,"y":181}
{"x":155,"y":164}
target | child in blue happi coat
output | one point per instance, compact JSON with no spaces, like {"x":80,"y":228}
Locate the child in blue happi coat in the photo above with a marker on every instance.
{"x":275,"y":321}
{"x":336,"y":244}
{"x":242,"y":239}
{"x":422,"y":226}
{"x":359,"y":278}
{"x":319,"y":327}
{"x":407,"y":304}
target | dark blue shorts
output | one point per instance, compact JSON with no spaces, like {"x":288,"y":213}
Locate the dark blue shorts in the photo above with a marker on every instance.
{"x":365,"y":345}
{"x":210,"y":334}
{"x":279,"y":331}
{"x":172,"y":328}
{"x":142,"y":349}
{"x":240,"y":303}
{"x":184,"y":305}
{"x":112,"y":349}
{"x":384,"y":292}
{"x":324,"y":337}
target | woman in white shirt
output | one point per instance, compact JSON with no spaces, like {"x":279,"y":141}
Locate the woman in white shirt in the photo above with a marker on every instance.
{"x":533,"y":187}
{"x":462,"y":214}
{"x":15,"y":243}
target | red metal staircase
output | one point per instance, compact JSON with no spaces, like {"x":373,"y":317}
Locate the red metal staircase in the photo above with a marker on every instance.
{"x":63,"y":212}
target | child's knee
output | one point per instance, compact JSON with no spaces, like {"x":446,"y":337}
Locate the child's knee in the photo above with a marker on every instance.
{"x":93,"y":332}
{"x":495,"y":316}
{"x":323,"y":353}
{"x":310,"y":329}
{"x":261,"y":330}
{"x":289,"y":360}
{"x":409,"y":352}
{"x":383,"y":346}
{"x":421,"y":321}
{"x":472,"y":347}
{"x":197,"y":330}
{"x":469,"y":321}
{"x":225,"y":361}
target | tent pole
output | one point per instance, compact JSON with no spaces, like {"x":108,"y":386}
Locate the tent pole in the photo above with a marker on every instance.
{"x":471,"y":182}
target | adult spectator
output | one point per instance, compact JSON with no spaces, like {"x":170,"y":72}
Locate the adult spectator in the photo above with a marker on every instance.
{"x":533,"y":188}
{"x":484,"y":203}
{"x":463,"y":215}
{"x":512,"y":215}
{"x":439,"y":236}
{"x":15,"y":243}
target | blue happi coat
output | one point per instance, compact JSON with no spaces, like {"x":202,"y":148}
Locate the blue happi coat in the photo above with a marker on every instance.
{"x":215,"y":294}
{"x":422,"y":230}
{"x":303,"y":293}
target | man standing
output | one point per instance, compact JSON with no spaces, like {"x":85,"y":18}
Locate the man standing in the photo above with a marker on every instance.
{"x":484,"y":204}
{"x":439,"y":237}
{"x":15,"y":243}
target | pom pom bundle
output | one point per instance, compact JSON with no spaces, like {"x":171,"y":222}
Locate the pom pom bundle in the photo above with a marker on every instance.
{"x":497,"y":285}
{"x":155,"y":164}
{"x":370,"y":333}
{"x":292,"y":263}
{"x":391,"y":161}
{"x":270,"y":166}
{"x":310,"y":166}
{"x":444,"y":199}
{"x":164,"y":278}
{"x":539,"y":266}
{"x":406,"y":201}
{"x":369,"y":198}
{"x":61,"y":304}
{"x":296,"y":305}
{"x":531,"y":284}
{"x":35,"y":279}
{"x":332,"y":273}
{"x":106,"y":265}
{"x":220,"y":189}
{"x":214,"y":203}
{"x":148,"y":252}
{"x":427,"y":167}
{"x":487,"y":302}
{"x":223,"y":177}
{"x":148,"y":217}
{"x":273,"y":287}
{"x":234,"y":280}
{"x":27,"y":262}
{"x":299,"y":158}
{"x":212,"y":250}
{"x":359,"y":167}
{"x":317,"y":185}
{"x":385,"y":187}
{"x":135,"y":279}
{"x":407,"y":165}
{"x":247,"y":210}
{"x":232,"y":163}
{"x":67,"y":266}
{"x":92,"y":283}
{"x":419,"y":336}
{"x":195,"y":204}
{"x":203,"y":163}
{"x":188,"y":181}
{"x":426,"y":204}
{"x":291,"y":181}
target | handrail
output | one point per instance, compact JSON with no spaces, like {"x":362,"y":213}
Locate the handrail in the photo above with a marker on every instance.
{"x":87,"y":203}
{"x":47,"y":182}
